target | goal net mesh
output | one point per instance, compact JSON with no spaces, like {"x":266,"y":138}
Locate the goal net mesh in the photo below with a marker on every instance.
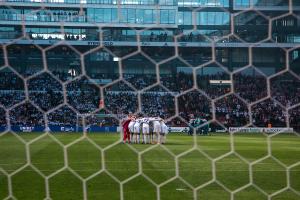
{"x":156,"y":74}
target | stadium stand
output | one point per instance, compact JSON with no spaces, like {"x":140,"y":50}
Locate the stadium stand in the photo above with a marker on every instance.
{"x":46,"y":93}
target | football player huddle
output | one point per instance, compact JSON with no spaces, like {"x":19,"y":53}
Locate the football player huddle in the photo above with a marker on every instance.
{"x":145,"y":130}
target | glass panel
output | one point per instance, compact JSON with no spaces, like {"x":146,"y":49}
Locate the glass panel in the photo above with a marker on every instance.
{"x":164,"y":16}
{"x":114,"y":14}
{"x":107,"y":15}
{"x":171,"y":16}
{"x":148,"y":19}
{"x":131,"y":15}
{"x":139,"y":16}
{"x":91,"y":14}
{"x":99,"y":14}
{"x":187,"y":18}
{"x":123,"y":17}
{"x":180,"y":18}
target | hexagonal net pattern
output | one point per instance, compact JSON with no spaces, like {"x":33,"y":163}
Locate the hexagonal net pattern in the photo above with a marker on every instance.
{"x":67,"y":79}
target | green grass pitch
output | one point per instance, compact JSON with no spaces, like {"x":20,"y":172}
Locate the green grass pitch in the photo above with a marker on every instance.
{"x":187,"y":167}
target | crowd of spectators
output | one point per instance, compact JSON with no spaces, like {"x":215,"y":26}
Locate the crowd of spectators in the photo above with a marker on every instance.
{"x":26,"y":114}
{"x":98,"y":120}
{"x":83,"y":96}
{"x":15,"y":84}
{"x":178,"y":83}
{"x":286,"y":90}
{"x":211,"y":89}
{"x":140,"y":81}
{"x":232,"y":110}
{"x":158,"y":104}
{"x":170,"y":37}
{"x":250,"y":87}
{"x":294,"y":118}
{"x":63,"y":116}
{"x":196,"y":104}
{"x":10,"y":98}
{"x":45,"y":91}
{"x":121,"y":102}
{"x":11,"y":81}
{"x":2,"y":117}
{"x":153,"y":37}
{"x":268,"y":112}
{"x":162,"y":37}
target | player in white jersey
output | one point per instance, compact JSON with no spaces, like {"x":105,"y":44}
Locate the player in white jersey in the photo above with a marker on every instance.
{"x":156,"y":128}
{"x":164,"y":131}
{"x":131,"y":128}
{"x":137,"y":129}
{"x":146,"y":130}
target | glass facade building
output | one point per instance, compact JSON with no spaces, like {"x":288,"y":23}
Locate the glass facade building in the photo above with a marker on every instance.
{"x":196,"y":28}
{"x":211,"y":18}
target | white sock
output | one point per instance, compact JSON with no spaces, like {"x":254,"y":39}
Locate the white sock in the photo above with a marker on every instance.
{"x":138,"y":139}
{"x":160,"y":139}
{"x":157,"y":138}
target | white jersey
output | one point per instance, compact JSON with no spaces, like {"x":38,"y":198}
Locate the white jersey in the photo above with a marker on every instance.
{"x":145,"y":120}
{"x":137,"y":125}
{"x":164,"y":128}
{"x":142,"y":123}
{"x":145,"y":128}
{"x":139,"y":120}
{"x":153,"y":119}
{"x":156,"y":125}
{"x":131,"y":125}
